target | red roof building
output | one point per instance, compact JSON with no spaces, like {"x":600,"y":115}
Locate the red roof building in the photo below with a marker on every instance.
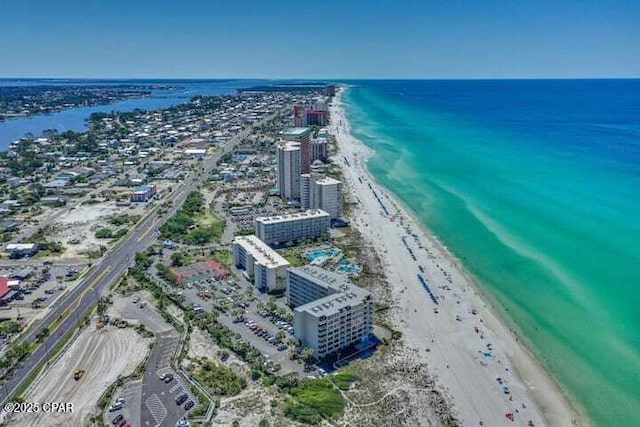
{"x":4,"y":286}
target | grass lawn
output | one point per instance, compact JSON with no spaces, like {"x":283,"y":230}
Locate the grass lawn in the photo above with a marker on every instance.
{"x":343,"y":380}
{"x":314,"y":401}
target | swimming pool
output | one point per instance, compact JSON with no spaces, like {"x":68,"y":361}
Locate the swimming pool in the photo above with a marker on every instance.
{"x":321,"y":255}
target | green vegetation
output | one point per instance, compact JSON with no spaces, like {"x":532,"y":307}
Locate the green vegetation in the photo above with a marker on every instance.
{"x":166,"y":273}
{"x":223,"y":257}
{"x":45,"y":246}
{"x":9,"y":327}
{"x":191,"y":224}
{"x":216,"y":378}
{"x":177,"y":259}
{"x":14,"y":354}
{"x":314,"y":401}
{"x":294,"y":256}
{"x":104,"y":233}
{"x":123,"y":219}
{"x":343,"y":380}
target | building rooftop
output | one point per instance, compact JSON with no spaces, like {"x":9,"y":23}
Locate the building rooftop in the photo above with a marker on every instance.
{"x":311,"y":213}
{"x":294,"y":132}
{"x":327,"y":180}
{"x":344,"y":293}
{"x":327,"y":279}
{"x":289,"y":145}
{"x":260,"y":251}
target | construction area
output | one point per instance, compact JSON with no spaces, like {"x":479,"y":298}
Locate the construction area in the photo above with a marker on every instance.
{"x":95,"y":360}
{"x":76,"y":230}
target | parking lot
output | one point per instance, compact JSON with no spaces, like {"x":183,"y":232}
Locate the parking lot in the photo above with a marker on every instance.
{"x":156,"y":402}
{"x":254,"y":327}
{"x":162,"y":386}
{"x":40,"y":285}
{"x":131,"y":394}
{"x":33,"y":288}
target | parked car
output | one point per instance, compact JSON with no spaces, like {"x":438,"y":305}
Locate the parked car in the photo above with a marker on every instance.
{"x":181,"y":398}
{"x":117,"y":419}
{"x":189,"y":405}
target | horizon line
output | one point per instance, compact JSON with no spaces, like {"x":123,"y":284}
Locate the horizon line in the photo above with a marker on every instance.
{"x":323,"y":78}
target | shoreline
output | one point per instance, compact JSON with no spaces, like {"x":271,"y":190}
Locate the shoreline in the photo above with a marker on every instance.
{"x":480,"y":398}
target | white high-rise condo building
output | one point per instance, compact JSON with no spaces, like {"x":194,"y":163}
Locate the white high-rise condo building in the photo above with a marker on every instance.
{"x":281,"y":229}
{"x":326,"y":194}
{"x":263,"y":265}
{"x":320,"y":192}
{"x":289,"y":157}
{"x":330,"y":312}
{"x":305,"y":190}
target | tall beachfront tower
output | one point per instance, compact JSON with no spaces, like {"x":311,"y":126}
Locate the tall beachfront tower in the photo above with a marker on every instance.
{"x":303,"y":136}
{"x":326,"y":194}
{"x":289,"y":164}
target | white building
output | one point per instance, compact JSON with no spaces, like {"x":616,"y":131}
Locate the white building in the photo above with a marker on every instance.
{"x":263,"y":265}
{"x":305,"y":191}
{"x":289,"y":158}
{"x":281,"y":229}
{"x":320,"y":192}
{"x":326,"y":194}
{"x":195,"y":153}
{"x":319,"y":149}
{"x":334,"y":313}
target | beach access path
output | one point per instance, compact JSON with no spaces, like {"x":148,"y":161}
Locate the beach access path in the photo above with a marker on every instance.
{"x":475,"y":358}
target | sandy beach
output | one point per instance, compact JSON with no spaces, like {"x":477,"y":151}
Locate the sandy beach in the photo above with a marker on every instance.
{"x":490,"y":377}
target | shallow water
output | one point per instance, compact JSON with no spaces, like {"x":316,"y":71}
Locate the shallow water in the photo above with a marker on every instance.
{"x":535,"y":186}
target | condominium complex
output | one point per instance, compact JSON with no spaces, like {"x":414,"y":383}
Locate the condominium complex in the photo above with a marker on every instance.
{"x":303,"y":136}
{"x":326,"y":194}
{"x":330,"y":312}
{"x":320,"y":192}
{"x":281,"y":229}
{"x":319,"y":149}
{"x":289,"y":158}
{"x":305,"y":190}
{"x":263,"y":265}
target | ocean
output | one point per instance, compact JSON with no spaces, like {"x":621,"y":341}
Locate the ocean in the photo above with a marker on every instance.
{"x":535,"y":186}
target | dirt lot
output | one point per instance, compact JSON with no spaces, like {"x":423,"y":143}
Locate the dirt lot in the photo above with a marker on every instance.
{"x":76,"y":230}
{"x":105,"y":355}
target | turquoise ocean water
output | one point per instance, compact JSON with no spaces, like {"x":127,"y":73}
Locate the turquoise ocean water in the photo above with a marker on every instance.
{"x":535,"y":186}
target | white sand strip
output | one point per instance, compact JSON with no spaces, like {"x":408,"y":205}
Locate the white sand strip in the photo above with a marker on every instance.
{"x":474,"y":356}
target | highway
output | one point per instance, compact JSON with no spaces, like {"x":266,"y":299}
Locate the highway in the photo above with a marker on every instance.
{"x":114,"y":264}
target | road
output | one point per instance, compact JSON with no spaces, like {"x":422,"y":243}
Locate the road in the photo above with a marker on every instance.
{"x":70,"y":309}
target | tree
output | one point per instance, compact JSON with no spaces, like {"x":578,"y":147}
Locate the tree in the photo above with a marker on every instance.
{"x":306,"y":355}
{"x":177,"y":259}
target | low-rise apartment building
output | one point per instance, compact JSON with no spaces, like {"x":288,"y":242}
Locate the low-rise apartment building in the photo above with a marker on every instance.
{"x":281,"y":229}
{"x":263,"y":265}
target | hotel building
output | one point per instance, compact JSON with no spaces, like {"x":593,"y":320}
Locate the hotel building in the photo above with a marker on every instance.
{"x":320,"y":192}
{"x":263,"y":265}
{"x":303,"y":136}
{"x":281,"y":229}
{"x":330,"y":312}
{"x":289,"y":158}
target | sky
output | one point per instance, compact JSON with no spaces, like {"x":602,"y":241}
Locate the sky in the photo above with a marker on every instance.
{"x":319,"y":39}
